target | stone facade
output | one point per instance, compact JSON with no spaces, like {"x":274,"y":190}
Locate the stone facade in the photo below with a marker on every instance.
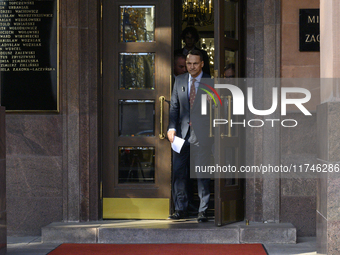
{"x":263,"y":61}
{"x":328,"y":199}
{"x":53,"y":160}
{"x":298,"y":145}
{"x":3,"y":211}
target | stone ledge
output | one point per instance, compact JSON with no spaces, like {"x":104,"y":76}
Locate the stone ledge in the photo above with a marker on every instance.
{"x":268,"y":233}
{"x":230,"y":235}
{"x":162,"y":231}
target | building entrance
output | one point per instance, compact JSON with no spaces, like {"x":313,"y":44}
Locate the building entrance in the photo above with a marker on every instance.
{"x":138,"y":45}
{"x":136,"y":84}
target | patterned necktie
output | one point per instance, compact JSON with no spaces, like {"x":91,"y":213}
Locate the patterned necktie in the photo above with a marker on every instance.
{"x":192,"y":92}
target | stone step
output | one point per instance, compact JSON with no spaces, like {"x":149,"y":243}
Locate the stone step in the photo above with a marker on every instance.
{"x":163,"y":231}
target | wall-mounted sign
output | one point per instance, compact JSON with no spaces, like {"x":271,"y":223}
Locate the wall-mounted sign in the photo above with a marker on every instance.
{"x":309,"y":30}
{"x":29,"y":55}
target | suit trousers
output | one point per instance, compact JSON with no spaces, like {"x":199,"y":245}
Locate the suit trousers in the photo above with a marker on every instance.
{"x":200,"y":156}
{"x":181,"y":176}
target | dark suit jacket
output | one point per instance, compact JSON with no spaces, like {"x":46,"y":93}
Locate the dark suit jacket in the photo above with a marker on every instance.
{"x":206,"y":67}
{"x":181,"y":115}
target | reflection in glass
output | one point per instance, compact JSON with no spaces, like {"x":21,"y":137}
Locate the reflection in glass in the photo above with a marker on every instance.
{"x":233,"y":118}
{"x":208,"y":44}
{"x":136,"y":164}
{"x":230,"y":64}
{"x":137,"y":23}
{"x":136,"y":70}
{"x":230,"y":16}
{"x":229,"y":159}
{"x":136,"y":117}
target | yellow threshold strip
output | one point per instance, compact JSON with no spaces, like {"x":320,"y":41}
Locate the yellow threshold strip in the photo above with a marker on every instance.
{"x":136,"y":208}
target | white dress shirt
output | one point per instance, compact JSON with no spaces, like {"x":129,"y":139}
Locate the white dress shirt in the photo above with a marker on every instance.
{"x":197,"y":82}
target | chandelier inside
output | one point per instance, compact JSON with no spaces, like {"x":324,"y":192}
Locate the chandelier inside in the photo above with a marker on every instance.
{"x":197,"y":12}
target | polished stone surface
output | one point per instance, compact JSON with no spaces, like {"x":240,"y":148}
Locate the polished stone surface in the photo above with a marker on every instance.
{"x":34,"y":176}
{"x":190,"y":232}
{"x":298,"y":187}
{"x":28,"y":245}
{"x":321,"y":233}
{"x":34,"y":171}
{"x":80,"y":116}
{"x":299,"y":147}
{"x":333,"y":197}
{"x":263,"y":60}
{"x":322,"y":132}
{"x":333,"y":129}
{"x":268,"y":233}
{"x":53,"y":158}
{"x":321,"y":202}
{"x":300,"y":211}
{"x":28,"y":214}
{"x":2,"y":133}
{"x":3,"y":201}
{"x":34,"y":186}
{"x":164,"y":231}
{"x":302,"y":138}
{"x":38,"y":135}
{"x":303,"y":246}
{"x":328,"y":199}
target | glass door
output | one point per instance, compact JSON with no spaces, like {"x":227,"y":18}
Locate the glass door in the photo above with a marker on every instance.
{"x":137,"y":55}
{"x":229,"y":199}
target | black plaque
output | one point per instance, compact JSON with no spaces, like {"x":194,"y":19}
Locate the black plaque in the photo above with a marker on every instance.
{"x":29,"y":55}
{"x":309,"y":30}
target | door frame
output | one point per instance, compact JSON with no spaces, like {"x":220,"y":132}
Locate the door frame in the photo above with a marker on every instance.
{"x":120,"y":195}
{"x":229,"y":199}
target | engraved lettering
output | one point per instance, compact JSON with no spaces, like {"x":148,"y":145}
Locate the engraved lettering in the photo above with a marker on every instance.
{"x":312,"y":38}
{"x":313,"y":19}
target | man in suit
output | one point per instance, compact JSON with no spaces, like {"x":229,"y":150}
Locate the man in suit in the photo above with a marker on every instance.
{"x":190,"y":37}
{"x":179,"y":64}
{"x":187,"y":122}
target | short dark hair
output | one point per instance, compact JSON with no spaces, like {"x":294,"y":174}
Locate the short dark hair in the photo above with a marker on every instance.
{"x":179,"y":55}
{"x":190,"y":30}
{"x":196,"y":53}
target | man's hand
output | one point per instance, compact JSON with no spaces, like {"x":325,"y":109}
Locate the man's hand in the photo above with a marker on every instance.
{"x":171,"y":135}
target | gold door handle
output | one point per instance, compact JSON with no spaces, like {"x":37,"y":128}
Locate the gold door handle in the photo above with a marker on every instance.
{"x":161,"y":100}
{"x":229,"y":119}
{"x":229,"y":116}
{"x":210,"y":130}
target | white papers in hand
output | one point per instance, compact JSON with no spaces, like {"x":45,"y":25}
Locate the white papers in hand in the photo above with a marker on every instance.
{"x":177,"y":144}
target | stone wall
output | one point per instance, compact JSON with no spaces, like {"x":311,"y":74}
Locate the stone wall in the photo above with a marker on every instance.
{"x":3,"y":212}
{"x":328,"y":126}
{"x":262,"y":145}
{"x":298,"y":195}
{"x":34,"y":172}
{"x":52,"y":159}
{"x":298,"y":145}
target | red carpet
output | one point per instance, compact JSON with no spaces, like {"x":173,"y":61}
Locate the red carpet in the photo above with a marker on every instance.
{"x":162,"y":249}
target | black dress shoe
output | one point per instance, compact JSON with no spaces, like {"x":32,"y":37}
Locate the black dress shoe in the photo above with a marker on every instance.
{"x":178,"y":215}
{"x":202,"y":217}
